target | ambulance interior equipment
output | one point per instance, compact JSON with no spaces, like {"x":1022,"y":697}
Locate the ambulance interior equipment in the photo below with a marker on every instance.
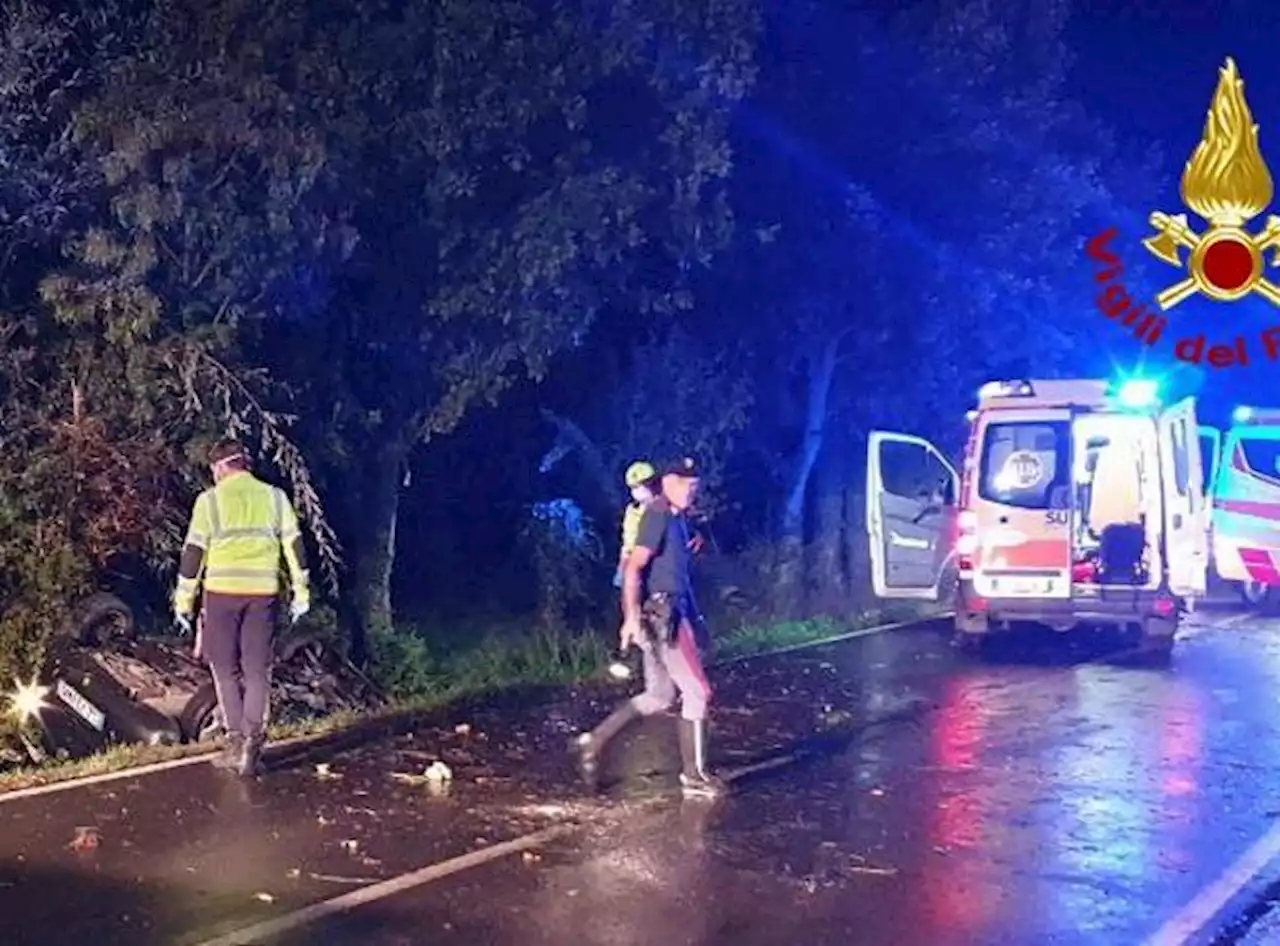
{"x":1245,"y":515}
{"x":1081,"y":503}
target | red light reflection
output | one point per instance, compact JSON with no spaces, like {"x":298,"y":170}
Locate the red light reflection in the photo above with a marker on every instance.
{"x":958,"y":895}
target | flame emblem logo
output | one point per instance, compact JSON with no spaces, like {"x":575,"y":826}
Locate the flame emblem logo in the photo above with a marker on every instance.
{"x":1226,"y":181}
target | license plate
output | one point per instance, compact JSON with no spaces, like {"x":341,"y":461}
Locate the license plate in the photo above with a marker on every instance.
{"x":83,"y":708}
{"x":1025,"y":587}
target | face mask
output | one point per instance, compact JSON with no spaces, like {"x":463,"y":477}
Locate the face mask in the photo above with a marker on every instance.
{"x":640,"y":494}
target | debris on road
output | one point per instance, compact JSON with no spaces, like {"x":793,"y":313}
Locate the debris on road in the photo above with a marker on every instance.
{"x":87,"y":838}
{"x":336,"y":879}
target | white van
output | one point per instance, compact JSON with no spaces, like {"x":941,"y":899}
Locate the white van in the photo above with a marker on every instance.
{"x":1245,"y":519}
{"x":1081,"y":504}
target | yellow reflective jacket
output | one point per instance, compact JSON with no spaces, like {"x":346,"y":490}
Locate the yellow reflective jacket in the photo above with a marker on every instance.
{"x":631,"y":527}
{"x":243,"y":526}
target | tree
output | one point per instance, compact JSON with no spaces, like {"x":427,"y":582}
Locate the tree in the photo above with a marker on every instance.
{"x":546,"y":165}
{"x":207,"y":175}
{"x":676,"y":392}
{"x":930,"y":198}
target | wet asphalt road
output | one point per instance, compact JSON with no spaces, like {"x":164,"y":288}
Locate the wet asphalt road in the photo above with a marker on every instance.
{"x":1049,"y":794}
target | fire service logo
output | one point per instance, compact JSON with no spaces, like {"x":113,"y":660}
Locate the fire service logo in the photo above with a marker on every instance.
{"x":1227,"y":183}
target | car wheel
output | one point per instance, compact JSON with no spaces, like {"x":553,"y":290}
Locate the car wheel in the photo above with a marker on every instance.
{"x":1256,"y":595}
{"x":201,"y":720}
{"x":103,"y":617}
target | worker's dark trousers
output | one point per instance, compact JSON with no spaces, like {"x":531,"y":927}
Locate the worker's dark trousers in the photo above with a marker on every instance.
{"x":238,"y":631}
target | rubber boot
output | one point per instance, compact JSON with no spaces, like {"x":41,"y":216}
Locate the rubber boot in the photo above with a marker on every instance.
{"x":590,"y":746}
{"x":251,"y":757}
{"x":695,"y":780}
{"x":231,"y":754}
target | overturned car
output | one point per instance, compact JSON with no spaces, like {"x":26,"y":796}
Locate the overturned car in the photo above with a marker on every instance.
{"x":105,"y":684}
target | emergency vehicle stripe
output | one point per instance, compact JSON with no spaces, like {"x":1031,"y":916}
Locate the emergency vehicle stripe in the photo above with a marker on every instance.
{"x":1247,"y":507}
{"x":1036,"y":553}
{"x":1260,"y":566}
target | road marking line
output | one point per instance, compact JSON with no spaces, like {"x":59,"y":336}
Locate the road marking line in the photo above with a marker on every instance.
{"x":254,"y":934}
{"x":1196,"y":915}
{"x":86,"y":780}
{"x":833,"y":639}
{"x":151,"y":768}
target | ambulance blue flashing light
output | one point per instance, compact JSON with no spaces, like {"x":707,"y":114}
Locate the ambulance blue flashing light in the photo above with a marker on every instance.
{"x":1242,"y":415}
{"x":1006,"y":389}
{"x":1139,"y":393}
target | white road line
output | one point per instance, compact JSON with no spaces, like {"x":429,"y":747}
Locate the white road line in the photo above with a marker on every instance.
{"x":151,"y":768}
{"x":254,"y":935}
{"x":87,"y":780}
{"x":833,"y":639}
{"x":1196,"y":915}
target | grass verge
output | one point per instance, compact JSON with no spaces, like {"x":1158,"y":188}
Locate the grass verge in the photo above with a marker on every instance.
{"x":425,"y":682}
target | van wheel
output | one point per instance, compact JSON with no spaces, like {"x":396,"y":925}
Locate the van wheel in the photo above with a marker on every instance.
{"x":1259,"y":597}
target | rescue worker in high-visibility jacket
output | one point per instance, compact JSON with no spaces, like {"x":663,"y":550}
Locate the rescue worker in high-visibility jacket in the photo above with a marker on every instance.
{"x":239,"y":530}
{"x":642,"y":483}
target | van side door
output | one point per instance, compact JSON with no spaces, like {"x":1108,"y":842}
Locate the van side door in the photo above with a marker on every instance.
{"x":911,"y":507}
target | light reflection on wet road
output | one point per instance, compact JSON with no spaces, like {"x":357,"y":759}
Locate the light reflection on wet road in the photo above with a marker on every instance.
{"x":1063,"y":803}
{"x":1033,"y":798}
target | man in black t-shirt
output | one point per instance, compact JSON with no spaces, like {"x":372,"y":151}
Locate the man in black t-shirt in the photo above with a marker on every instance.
{"x":659,"y":616}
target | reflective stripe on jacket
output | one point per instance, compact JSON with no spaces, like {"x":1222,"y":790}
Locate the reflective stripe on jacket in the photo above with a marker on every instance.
{"x":243,"y":526}
{"x":631,"y":526}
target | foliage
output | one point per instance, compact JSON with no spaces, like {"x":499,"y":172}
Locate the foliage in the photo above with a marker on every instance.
{"x":565,"y":550}
{"x":551,"y":164}
{"x":402,"y":663}
{"x":409,"y":666}
{"x":677,"y":394}
{"x":206,"y":177}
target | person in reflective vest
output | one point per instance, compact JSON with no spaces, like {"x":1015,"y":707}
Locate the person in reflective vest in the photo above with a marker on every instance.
{"x":239,"y":530}
{"x":643,"y":484}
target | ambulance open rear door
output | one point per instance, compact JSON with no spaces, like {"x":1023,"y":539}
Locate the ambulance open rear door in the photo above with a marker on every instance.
{"x":911,"y":507}
{"x":1183,"y":494}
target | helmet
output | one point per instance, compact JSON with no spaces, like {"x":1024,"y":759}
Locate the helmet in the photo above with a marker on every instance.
{"x":638,"y":473}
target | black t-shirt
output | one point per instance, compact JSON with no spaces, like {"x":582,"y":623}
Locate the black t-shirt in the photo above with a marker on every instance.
{"x":665,"y":532}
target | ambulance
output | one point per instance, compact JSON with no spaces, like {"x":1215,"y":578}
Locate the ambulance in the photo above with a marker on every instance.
{"x":1081,"y":503}
{"x":1245,"y":517}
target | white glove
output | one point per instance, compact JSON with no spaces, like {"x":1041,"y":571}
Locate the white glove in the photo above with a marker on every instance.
{"x":297,"y":610}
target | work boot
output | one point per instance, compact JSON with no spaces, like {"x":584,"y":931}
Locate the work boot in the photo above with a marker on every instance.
{"x":232,"y":751}
{"x":591,"y":745}
{"x":695,"y":780}
{"x":250,"y":763}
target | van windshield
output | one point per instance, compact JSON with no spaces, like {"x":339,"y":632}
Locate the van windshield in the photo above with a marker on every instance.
{"x":1262,"y":456}
{"x":1027,"y":464}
